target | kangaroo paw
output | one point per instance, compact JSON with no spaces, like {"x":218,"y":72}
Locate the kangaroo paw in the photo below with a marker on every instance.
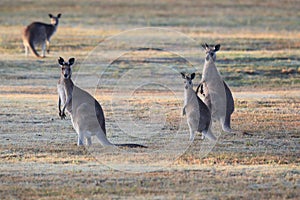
{"x":62,"y":115}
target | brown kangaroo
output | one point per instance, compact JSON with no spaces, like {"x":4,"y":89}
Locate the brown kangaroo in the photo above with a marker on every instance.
{"x":38,"y":33}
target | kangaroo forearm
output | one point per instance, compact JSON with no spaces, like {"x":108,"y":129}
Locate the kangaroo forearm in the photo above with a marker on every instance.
{"x":59,"y":104}
{"x":200,"y":86}
{"x":60,"y":113}
{"x":66,"y":104}
{"x":64,"y":108}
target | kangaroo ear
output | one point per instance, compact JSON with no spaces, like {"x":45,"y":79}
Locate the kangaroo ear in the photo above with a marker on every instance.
{"x":193,"y":76}
{"x":71,"y":61}
{"x":217,"y":47}
{"x":203,"y":46}
{"x":61,"y":61}
{"x":50,"y":15}
{"x":59,"y":15}
{"x":182,"y":74}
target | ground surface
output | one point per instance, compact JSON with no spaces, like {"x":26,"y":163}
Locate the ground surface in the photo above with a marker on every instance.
{"x":142,"y":94}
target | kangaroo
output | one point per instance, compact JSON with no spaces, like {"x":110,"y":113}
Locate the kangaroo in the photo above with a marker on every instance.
{"x":205,"y":88}
{"x":38,"y":33}
{"x":86,"y":113}
{"x":198,"y":114}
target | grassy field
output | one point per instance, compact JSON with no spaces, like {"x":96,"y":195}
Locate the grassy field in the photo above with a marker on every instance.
{"x":142,"y":96}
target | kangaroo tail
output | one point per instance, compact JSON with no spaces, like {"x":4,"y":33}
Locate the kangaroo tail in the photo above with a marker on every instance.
{"x":131,"y":145}
{"x":101,"y":135}
{"x":208,"y":133}
{"x":31,"y":46}
{"x":105,"y":142}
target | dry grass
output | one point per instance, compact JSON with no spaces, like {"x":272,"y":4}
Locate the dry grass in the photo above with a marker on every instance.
{"x":39,"y":158}
{"x":256,"y":163}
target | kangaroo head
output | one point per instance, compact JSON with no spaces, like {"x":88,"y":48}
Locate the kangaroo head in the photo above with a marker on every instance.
{"x":211,"y":51}
{"x":54,"y":20}
{"x":66,"y":67}
{"x":188,"y":80}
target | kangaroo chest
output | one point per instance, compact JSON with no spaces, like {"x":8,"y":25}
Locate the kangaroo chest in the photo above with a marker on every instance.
{"x":65,"y":90}
{"x":213,"y":89}
{"x":190,"y":101}
{"x":61,"y":93}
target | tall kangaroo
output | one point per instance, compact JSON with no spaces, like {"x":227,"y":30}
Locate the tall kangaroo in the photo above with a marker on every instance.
{"x":210,"y":85}
{"x":198,"y":114}
{"x":86,"y":113}
{"x":38,"y":33}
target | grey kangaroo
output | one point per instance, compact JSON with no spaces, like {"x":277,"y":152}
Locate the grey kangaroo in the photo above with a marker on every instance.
{"x":204,"y":89}
{"x":38,"y":33}
{"x":86,"y":113}
{"x":198,"y":114}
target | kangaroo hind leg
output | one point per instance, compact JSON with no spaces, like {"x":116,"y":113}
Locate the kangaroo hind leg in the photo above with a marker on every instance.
{"x":44,"y":49}
{"x":88,"y":141}
{"x":48,"y":46}
{"x":102,"y":138}
{"x":208,"y":134}
{"x":80,"y":138}
{"x":192,"y":129}
{"x":225,"y":123}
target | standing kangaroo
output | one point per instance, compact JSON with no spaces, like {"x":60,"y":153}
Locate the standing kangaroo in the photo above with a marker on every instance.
{"x":211,"y":81}
{"x":198,"y":114}
{"x":38,"y":33}
{"x":86,"y":113}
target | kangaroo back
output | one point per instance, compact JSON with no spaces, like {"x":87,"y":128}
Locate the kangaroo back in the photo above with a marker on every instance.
{"x":229,"y":107}
{"x":33,"y":34}
{"x":92,"y":109}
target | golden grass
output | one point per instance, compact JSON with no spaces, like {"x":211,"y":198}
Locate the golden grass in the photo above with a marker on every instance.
{"x":248,"y":34}
{"x":39,"y":158}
